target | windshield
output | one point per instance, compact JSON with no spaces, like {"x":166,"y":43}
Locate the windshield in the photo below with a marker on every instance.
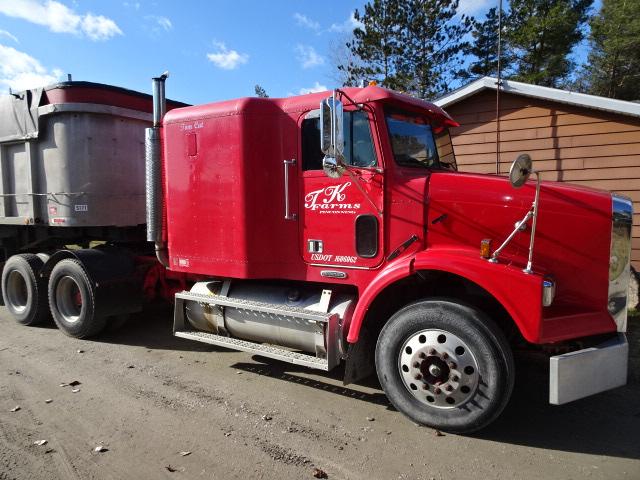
{"x":416,"y":144}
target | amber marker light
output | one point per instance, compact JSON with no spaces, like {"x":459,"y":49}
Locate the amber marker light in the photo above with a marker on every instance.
{"x":485,"y":248}
{"x":373,"y":83}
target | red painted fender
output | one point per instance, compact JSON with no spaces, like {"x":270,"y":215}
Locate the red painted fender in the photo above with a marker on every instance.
{"x":519,"y":293}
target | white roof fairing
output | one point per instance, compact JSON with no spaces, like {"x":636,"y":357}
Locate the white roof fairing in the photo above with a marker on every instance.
{"x":544,"y":93}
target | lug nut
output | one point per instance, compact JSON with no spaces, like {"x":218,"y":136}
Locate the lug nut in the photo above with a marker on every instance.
{"x":445,"y":355}
{"x":422,"y":355}
{"x":437,"y":391}
{"x":455,"y":378}
{"x":416,"y":364}
{"x":432,"y":351}
{"x":449,"y":388}
{"x":418,"y":377}
{"x":425,"y":386}
{"x":452,"y":365}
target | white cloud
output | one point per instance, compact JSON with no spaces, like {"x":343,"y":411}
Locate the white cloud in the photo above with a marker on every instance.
{"x":227,"y":59}
{"x":135,"y":5}
{"x":474,"y":7}
{"x":97,"y":27}
{"x":308,"y":57}
{"x":349,"y":25}
{"x":317,"y":87}
{"x":61,"y":19}
{"x":21,"y":71}
{"x":162,"y":23}
{"x":4,"y":33}
{"x":305,"y":21}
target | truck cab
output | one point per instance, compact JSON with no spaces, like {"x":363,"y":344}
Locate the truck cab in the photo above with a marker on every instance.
{"x":334,"y":227}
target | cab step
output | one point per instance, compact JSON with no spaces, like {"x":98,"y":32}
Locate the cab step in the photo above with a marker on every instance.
{"x":282,"y":310}
{"x":325,"y":358}
{"x":262,"y":349}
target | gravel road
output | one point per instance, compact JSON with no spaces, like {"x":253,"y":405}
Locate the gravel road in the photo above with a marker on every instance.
{"x":146,"y":396}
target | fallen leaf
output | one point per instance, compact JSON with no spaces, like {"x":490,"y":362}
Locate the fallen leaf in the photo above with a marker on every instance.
{"x":370,"y":419}
{"x":131,"y":366}
{"x":438,"y":433}
{"x":184,"y":454}
{"x":73,"y":383}
{"x":48,"y":400}
{"x":75,"y":390}
{"x":171,"y":469}
{"x":100,"y":449}
{"x":318,"y":473}
{"x":15,"y":409}
{"x":40,"y":442}
{"x":267,"y":418}
{"x":80,"y":351}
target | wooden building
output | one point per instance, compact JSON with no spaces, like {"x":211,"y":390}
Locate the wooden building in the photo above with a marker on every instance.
{"x":571,"y":137}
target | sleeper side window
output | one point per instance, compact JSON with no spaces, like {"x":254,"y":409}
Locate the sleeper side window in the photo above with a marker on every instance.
{"x":358,"y":143}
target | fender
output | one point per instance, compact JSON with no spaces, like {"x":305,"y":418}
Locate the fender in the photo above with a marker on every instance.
{"x":504,"y":282}
{"x":113,"y":274}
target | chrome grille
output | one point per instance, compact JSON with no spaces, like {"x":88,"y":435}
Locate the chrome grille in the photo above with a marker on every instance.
{"x":620,"y":259}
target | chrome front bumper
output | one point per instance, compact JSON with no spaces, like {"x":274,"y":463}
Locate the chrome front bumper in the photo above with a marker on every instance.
{"x":589,"y":371}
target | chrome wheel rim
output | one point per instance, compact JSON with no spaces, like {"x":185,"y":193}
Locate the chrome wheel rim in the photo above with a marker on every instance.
{"x":17,"y":291}
{"x":439,"y":369}
{"x":69,"y":299}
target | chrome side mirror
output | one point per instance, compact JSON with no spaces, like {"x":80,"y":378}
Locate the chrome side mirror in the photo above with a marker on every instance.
{"x":332,"y":136}
{"x":332,"y":167}
{"x":520,"y":170}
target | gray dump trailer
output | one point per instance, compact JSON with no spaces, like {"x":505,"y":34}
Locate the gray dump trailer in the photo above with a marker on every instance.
{"x":72,"y":203}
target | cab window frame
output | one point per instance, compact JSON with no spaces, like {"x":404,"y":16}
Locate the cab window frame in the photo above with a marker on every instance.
{"x":310,"y":141}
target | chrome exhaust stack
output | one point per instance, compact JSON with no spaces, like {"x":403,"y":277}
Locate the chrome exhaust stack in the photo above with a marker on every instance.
{"x":153,"y":171}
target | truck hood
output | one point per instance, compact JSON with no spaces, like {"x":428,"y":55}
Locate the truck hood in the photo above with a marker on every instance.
{"x":573,"y":236}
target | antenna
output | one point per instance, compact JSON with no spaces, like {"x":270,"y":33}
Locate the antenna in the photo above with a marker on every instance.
{"x":499,"y":84}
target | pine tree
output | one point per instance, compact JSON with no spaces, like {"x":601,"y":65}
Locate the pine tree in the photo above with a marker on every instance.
{"x":613,"y":68}
{"x":484,"y":48}
{"x":433,"y":45}
{"x":413,"y":46}
{"x":377,"y":45}
{"x":541,"y":35}
{"x":260,"y":92}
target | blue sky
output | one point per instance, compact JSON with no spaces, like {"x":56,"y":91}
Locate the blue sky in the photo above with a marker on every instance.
{"x":214,"y":49}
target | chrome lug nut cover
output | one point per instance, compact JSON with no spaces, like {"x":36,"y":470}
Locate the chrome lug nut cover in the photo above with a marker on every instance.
{"x":451,"y":367}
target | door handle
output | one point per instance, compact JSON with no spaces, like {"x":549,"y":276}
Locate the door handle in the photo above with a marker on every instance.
{"x":287,"y":214}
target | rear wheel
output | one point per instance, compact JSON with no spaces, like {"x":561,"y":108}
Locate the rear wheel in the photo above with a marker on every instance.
{"x":445,"y":365}
{"x":72,"y":299}
{"x":24,"y":292}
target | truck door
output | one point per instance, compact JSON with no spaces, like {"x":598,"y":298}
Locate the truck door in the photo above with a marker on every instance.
{"x":340,"y":218}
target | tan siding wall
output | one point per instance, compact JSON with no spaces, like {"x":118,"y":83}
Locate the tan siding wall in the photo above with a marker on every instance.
{"x":570,"y":144}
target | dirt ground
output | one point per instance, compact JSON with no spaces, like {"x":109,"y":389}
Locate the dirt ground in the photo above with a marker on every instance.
{"x":146,"y":396}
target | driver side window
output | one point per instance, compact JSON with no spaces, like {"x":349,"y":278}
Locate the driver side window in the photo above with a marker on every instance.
{"x":358,"y":143}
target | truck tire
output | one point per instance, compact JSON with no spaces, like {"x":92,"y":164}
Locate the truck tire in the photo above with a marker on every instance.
{"x":24,"y":292}
{"x":72,"y":299}
{"x":445,"y":365}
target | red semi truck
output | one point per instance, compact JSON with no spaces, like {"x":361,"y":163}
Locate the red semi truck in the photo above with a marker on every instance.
{"x":334,"y":228}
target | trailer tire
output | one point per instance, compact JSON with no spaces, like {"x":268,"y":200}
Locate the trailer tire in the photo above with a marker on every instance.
{"x":445,"y":365}
{"x":23,"y":291}
{"x":72,"y":299}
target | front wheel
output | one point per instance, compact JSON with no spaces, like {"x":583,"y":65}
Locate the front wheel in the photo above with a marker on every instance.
{"x":445,"y":365}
